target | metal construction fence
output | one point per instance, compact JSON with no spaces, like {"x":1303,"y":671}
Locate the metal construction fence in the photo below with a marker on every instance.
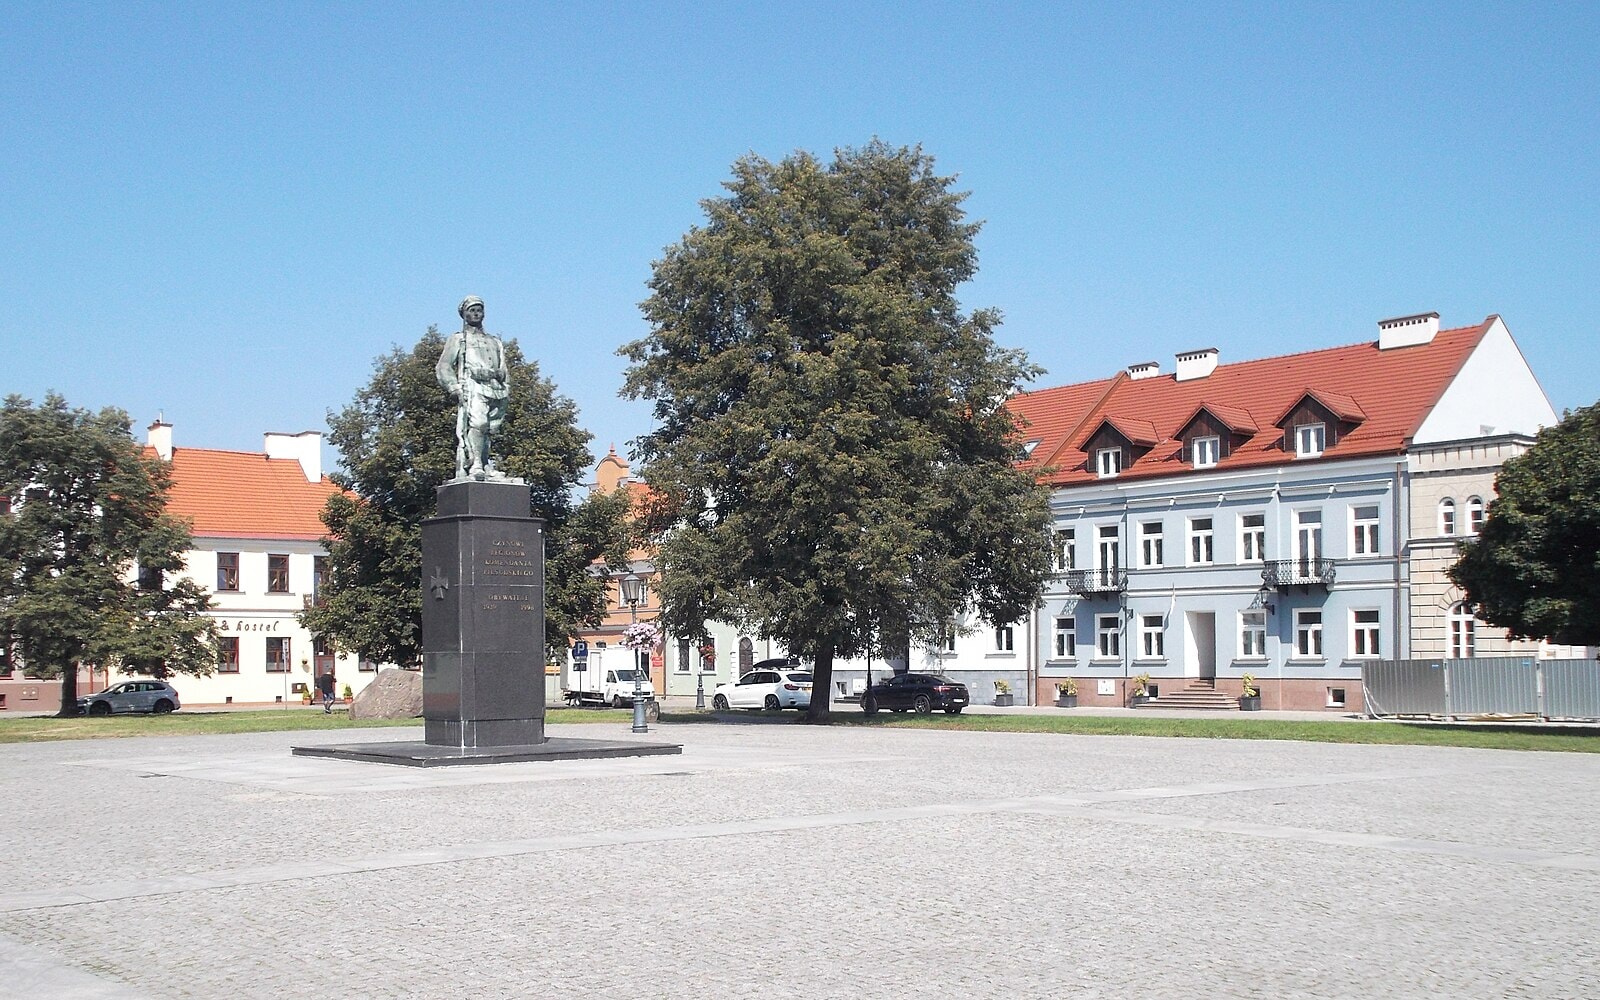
{"x":1507,"y":685}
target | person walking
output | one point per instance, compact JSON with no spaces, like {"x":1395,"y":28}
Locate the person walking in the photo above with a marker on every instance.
{"x":325,"y":685}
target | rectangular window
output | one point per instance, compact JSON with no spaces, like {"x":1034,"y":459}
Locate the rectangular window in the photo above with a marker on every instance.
{"x":708,"y":656}
{"x":948,"y":643}
{"x":1252,"y":537}
{"x":1335,"y":697}
{"x":1308,"y":634}
{"x":1004,"y":639}
{"x":277,"y":655}
{"x":1150,"y":544}
{"x":1308,"y":539}
{"x":228,"y":654}
{"x":1206,"y":452}
{"x":1066,"y":638}
{"x":685,"y":659}
{"x":1364,"y":531}
{"x":1463,"y":634}
{"x":1066,"y":549}
{"x":1152,"y":637}
{"x":228,"y":571}
{"x":150,"y":579}
{"x":1200,"y":541}
{"x":1309,"y":439}
{"x":277,"y":574}
{"x":1110,"y":547}
{"x":319,"y":576}
{"x":1108,"y":640}
{"x":366,"y":666}
{"x":1364,"y":640}
{"x":1108,"y":462}
{"x":1252,"y":635}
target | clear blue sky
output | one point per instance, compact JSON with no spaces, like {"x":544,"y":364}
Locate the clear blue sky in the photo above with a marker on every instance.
{"x":225,"y":212}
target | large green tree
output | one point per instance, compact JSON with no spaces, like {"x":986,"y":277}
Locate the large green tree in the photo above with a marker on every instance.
{"x":1534,"y":569}
{"x":833,"y":465}
{"x":88,"y":552}
{"x":396,"y":442}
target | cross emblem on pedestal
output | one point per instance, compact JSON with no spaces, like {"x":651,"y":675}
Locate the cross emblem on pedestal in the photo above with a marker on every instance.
{"x":438,"y":584}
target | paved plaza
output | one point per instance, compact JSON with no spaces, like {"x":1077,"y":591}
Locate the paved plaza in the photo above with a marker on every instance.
{"x":779,"y":860}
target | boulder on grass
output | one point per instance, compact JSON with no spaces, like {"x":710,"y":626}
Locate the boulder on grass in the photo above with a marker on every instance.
{"x":393,"y":694}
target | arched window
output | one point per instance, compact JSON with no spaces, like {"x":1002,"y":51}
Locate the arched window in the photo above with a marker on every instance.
{"x":1474,"y":515}
{"x":1463,"y":632}
{"x":1447,"y":516}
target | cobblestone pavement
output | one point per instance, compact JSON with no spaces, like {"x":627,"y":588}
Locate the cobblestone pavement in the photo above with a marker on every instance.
{"x":779,"y":860}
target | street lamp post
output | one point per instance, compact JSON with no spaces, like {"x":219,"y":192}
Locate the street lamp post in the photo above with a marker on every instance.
{"x":632,"y":588}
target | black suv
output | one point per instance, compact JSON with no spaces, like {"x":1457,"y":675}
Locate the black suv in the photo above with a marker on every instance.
{"x":921,"y":693}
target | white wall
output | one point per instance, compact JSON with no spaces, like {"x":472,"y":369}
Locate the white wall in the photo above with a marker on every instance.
{"x":1495,"y":389}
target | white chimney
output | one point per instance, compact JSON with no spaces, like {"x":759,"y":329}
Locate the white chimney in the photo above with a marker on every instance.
{"x":1407,"y":331}
{"x":305,"y":448}
{"x":1196,"y":364}
{"x":1148,"y":369}
{"x":159,"y":437}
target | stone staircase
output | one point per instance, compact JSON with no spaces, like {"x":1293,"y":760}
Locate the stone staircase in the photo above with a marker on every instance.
{"x":1201,"y":693}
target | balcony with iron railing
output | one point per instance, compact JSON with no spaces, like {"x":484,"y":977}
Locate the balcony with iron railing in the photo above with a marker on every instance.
{"x":1279,"y":573}
{"x":1108,"y":580}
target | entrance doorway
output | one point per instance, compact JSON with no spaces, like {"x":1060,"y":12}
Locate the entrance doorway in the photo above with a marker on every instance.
{"x":1200,"y":649}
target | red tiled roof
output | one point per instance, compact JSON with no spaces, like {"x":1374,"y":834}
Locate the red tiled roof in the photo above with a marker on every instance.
{"x":1390,"y":393}
{"x":241,"y":494}
{"x":1132,"y":429}
{"x":1336,"y":403}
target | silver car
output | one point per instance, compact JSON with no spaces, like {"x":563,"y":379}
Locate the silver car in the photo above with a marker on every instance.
{"x":158,"y":697}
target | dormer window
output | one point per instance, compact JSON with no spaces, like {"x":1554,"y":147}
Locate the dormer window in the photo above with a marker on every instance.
{"x":1309,"y":440}
{"x":1108,"y":462}
{"x":1207,"y":451}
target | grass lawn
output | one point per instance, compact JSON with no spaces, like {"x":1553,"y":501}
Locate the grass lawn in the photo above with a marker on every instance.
{"x":1485,"y":736}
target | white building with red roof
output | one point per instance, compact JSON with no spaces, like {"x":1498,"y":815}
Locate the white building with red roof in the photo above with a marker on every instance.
{"x":257,"y":550}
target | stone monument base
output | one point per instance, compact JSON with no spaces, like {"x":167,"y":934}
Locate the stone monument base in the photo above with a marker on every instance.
{"x":414,"y":753}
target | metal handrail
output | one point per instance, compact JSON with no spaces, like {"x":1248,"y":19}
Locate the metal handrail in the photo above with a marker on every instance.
{"x":1297,"y":573}
{"x":1111,"y":580}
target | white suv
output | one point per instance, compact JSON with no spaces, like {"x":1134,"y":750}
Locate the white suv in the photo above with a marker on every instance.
{"x":770,"y":684}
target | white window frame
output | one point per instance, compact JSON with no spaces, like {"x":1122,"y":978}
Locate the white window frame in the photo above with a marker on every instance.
{"x":1366,"y":633}
{"x":1308,"y":634}
{"x":1202,"y":541}
{"x":1310,"y":440}
{"x":1152,"y":637}
{"x":1364,"y":531}
{"x":1253,"y":635}
{"x":1108,"y":637}
{"x":1005,"y":639}
{"x":1108,"y":462}
{"x":1447,"y":516}
{"x":1151,"y":545}
{"x":1308,"y":527}
{"x":1463,"y":632}
{"x":686,"y":657}
{"x":1066,"y":638}
{"x":1108,"y":537}
{"x":1066,"y":549}
{"x":1253,"y":536}
{"x":1474,"y":515}
{"x":1206,"y":452}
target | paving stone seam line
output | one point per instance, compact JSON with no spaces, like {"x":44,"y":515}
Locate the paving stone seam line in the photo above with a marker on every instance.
{"x":1330,"y":838}
{"x":1086,"y":805}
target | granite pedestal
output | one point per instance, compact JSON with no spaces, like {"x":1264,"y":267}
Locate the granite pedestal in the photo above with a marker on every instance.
{"x":483,"y":640}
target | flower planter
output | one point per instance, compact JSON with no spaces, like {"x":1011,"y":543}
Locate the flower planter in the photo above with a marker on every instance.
{"x":1066,"y":701}
{"x":1139,"y":699}
{"x":1003,"y":700}
{"x":1250,"y":704}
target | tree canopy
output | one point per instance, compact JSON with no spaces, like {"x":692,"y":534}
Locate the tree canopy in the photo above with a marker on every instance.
{"x":396,"y":442}
{"x":1534,"y":569}
{"x":87,"y":548}
{"x":833,"y":462}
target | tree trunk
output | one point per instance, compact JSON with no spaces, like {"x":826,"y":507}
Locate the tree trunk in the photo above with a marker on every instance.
{"x":69,"y":691}
{"x":821,"y":682}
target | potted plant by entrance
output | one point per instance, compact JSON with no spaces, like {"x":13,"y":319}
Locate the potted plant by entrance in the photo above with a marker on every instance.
{"x":1139,"y":690}
{"x":1002,"y":693}
{"x":1067,"y":693}
{"x":1249,"y":694}
{"x":348,"y":695}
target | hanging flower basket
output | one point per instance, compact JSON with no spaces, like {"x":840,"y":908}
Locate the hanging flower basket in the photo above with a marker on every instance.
{"x":641,"y":635}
